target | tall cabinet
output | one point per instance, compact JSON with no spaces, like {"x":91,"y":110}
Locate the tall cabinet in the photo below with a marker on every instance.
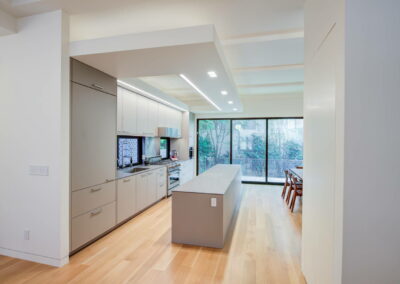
{"x":93,"y":157}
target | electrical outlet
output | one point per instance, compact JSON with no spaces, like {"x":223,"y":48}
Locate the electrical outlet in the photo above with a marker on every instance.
{"x":26,"y":235}
{"x":213,"y":202}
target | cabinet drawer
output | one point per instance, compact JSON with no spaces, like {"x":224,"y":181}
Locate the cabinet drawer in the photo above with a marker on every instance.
{"x":93,"y":78}
{"x":92,"y":224}
{"x":90,"y":198}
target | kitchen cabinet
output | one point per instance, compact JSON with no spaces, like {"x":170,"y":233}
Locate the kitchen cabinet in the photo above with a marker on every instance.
{"x":152,"y":183}
{"x":88,"y":76}
{"x":93,"y":153}
{"x":126,"y":198}
{"x":128,"y":111}
{"x":141,"y":191}
{"x":90,"y":198}
{"x":141,"y":116}
{"x":88,"y":226}
{"x":92,"y":147}
{"x":148,"y":188}
{"x":153,"y":118}
{"x":161,"y":183}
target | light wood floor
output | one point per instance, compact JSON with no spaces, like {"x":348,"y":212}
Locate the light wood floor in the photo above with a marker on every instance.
{"x":264,"y":248}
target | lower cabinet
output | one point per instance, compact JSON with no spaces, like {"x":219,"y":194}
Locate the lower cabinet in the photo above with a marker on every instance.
{"x":141,"y":191}
{"x":187,"y":171}
{"x":126,"y":198}
{"x":88,"y":226}
{"x":162,"y":183}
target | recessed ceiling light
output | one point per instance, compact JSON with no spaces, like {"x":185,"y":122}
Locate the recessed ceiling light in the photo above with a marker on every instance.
{"x":224,"y":93}
{"x":235,"y":109}
{"x":230,"y":102}
{"x":212,"y":74}
{"x":143,"y":92}
{"x":199,"y":91}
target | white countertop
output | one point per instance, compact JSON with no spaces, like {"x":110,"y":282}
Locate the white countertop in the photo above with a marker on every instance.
{"x":214,"y":181}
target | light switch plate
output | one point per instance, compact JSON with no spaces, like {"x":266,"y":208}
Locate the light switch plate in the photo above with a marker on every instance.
{"x":39,"y":170}
{"x":213,"y":202}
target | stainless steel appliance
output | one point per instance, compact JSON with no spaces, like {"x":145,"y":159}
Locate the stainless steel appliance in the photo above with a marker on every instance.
{"x":173,"y":171}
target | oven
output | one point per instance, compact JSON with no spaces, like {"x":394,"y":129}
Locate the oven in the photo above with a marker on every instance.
{"x":173,"y":178}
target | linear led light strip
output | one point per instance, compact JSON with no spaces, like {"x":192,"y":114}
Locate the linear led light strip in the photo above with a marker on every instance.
{"x":129,"y":86}
{"x":199,"y":91}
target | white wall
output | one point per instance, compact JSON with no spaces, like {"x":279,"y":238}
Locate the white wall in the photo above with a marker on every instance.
{"x":279,"y":105}
{"x":323,"y":142}
{"x":371,"y":232}
{"x":34,"y":118}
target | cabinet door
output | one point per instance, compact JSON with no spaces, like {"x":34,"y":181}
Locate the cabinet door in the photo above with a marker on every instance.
{"x":129,"y":112}
{"x":141,"y":192}
{"x":92,"y":147}
{"x":177,"y":120}
{"x":153,"y":118}
{"x":120,"y":127}
{"x":162,"y":115}
{"x":93,"y":78}
{"x":162,"y":183}
{"x":152,"y":186}
{"x":142,"y":115}
{"x":126,"y":198}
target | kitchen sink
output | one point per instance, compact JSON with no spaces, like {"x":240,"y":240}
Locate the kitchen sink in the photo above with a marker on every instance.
{"x":136,"y":170}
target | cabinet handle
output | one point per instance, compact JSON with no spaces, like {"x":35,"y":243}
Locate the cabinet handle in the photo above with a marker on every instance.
{"x":95,"y":189}
{"x":109,"y":180}
{"x":127,"y":180}
{"x":97,"y":86}
{"x":96,"y":212}
{"x":161,"y":185}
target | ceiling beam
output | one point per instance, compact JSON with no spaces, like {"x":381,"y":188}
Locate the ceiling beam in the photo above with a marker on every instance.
{"x":8,"y":24}
{"x":262,"y":37}
{"x":268,"y":67}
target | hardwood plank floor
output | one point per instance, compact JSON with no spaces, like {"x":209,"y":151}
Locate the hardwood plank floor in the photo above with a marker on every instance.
{"x":264,"y":248}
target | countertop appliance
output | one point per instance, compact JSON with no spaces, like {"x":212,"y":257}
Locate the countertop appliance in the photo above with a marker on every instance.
{"x":173,"y":171}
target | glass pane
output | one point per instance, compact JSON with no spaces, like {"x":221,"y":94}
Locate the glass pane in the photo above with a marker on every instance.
{"x":128,"y":151}
{"x":285,"y":147}
{"x":164,"y":148}
{"x":213,"y":144}
{"x":248,"y":148}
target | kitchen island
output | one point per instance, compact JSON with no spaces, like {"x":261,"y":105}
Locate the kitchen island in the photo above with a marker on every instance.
{"x":203,"y":208}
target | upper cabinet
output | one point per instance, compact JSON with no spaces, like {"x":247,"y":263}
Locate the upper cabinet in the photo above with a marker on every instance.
{"x":140,"y":116}
{"x":90,"y":77}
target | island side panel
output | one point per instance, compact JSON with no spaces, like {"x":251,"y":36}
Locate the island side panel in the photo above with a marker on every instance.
{"x":232,"y":199}
{"x":195,"y":222}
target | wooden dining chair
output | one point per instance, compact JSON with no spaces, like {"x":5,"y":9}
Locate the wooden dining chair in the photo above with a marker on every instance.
{"x":291,"y":188}
{"x":286,"y":184}
{"x":297,"y":191}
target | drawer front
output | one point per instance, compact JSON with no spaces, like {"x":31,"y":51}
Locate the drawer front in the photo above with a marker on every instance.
{"x":93,"y":78}
{"x":92,"y":224}
{"x":90,"y":198}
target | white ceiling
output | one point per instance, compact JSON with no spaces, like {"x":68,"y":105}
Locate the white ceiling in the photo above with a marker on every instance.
{"x":262,"y":40}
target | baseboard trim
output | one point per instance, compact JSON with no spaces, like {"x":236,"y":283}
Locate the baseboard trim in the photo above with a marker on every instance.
{"x":34,"y":257}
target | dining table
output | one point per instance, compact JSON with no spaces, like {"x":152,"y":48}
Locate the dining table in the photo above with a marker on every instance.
{"x":297,"y":172}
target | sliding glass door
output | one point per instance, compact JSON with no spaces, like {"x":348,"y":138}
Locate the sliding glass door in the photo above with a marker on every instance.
{"x":285,"y":147}
{"x":249,"y":148}
{"x":264,"y":147}
{"x":214,"y":140}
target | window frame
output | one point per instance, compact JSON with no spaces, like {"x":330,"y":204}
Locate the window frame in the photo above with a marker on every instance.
{"x":168,"y":147}
{"x":241,"y":118}
{"x":140,"y":150}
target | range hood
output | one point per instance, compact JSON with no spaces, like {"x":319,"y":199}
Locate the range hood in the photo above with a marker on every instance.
{"x":169,"y":132}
